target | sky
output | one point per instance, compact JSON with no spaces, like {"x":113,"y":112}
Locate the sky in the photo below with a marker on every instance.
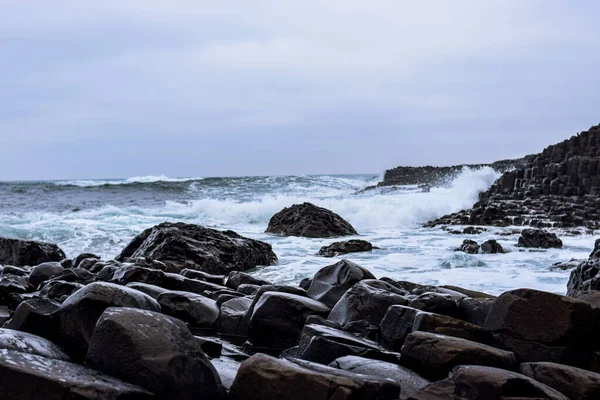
{"x":119,"y":88}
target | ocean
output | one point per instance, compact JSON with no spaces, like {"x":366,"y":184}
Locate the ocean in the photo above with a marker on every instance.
{"x":102,"y":216}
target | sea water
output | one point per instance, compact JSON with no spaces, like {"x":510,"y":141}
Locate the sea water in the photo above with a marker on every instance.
{"x":102,"y":216}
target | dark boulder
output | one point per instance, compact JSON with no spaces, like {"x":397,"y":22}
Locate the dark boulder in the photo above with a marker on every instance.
{"x":30,"y":344}
{"x":26,"y":376}
{"x":538,"y":238}
{"x":80,"y":312}
{"x":181,"y":246}
{"x":573,"y":382}
{"x":84,"y":256}
{"x":27,"y":252}
{"x":153,"y":351}
{"x":471,"y":382}
{"x":409,"y":381}
{"x":475,"y":310}
{"x":468,"y":246}
{"x":38,"y":317}
{"x":545,"y":318}
{"x":278,"y":318}
{"x":400,"y":321}
{"x":340,"y":248}
{"x":44,"y":272}
{"x":151,"y":290}
{"x":367,"y":300}
{"x":266,"y":378}
{"x":59,"y":290}
{"x":203,"y":276}
{"x":492,"y":247}
{"x":198,"y":311}
{"x":231,"y":316}
{"x":308,"y":220}
{"x":434,"y":355}
{"x":323,"y":345}
{"x":237,"y":278}
{"x":439,"y":303}
{"x":330,"y":283}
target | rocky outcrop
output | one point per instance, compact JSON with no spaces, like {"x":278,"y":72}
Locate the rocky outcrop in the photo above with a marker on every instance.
{"x":28,"y":252}
{"x":436,"y":176}
{"x":488,"y":247}
{"x":340,"y":248}
{"x":181,"y":246}
{"x":308,"y":220}
{"x":558,"y":187}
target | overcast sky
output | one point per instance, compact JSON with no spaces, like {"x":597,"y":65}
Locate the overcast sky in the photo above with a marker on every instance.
{"x":120,"y":88}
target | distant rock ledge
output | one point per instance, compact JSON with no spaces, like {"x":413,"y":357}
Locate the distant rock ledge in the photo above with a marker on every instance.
{"x":436,"y":176}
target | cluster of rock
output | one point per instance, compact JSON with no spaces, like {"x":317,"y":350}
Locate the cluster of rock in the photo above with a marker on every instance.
{"x":133,"y":329}
{"x":436,"y":176}
{"x":530,"y":238}
{"x":558,"y":187}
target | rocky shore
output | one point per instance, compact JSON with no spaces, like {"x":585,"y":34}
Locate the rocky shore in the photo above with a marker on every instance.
{"x":176,"y":317}
{"x":558,"y":187}
{"x":436,"y":176}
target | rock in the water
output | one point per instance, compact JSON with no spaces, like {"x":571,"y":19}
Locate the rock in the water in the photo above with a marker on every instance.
{"x":26,"y":376}
{"x":584,"y":278}
{"x":266,"y":378}
{"x":278,"y":318}
{"x":340,"y":248}
{"x":434,"y":355}
{"x":197,"y":310}
{"x":596,"y":251}
{"x":468,"y":246}
{"x":545,"y":318}
{"x":367,"y":300}
{"x":409,"y":381}
{"x":486,"y":383}
{"x":43,"y":272}
{"x":308,"y":220}
{"x":80,"y":312}
{"x":491,"y":247}
{"x":85,"y":256}
{"x":153,"y":351}
{"x":537,"y":238}
{"x":30,"y":344}
{"x":330,"y":283}
{"x":181,"y":246}
{"x":27,"y":252}
{"x":573,"y":382}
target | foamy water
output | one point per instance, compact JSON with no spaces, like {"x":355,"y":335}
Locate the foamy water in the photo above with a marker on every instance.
{"x":102,"y":216}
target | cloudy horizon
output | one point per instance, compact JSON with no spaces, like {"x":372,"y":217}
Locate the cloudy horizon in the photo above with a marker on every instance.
{"x":135,"y":88}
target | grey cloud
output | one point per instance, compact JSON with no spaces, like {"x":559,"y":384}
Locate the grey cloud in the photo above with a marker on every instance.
{"x":124,"y":88}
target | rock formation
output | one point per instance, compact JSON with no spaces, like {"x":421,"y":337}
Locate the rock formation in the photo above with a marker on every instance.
{"x":558,"y":187}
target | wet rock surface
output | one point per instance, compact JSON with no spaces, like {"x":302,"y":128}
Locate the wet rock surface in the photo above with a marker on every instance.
{"x":181,"y":246}
{"x":27,"y":252}
{"x":308,"y":220}
{"x":340,"y":248}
